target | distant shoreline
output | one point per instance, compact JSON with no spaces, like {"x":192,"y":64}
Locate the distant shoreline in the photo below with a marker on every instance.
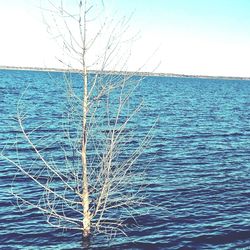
{"x":125,"y":73}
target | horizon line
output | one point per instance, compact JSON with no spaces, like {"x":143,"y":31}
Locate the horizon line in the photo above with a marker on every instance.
{"x":136,"y":73}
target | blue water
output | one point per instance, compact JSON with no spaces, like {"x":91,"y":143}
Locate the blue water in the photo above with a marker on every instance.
{"x":199,"y":165}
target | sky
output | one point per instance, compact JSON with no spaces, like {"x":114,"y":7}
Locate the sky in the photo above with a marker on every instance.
{"x":201,"y":37}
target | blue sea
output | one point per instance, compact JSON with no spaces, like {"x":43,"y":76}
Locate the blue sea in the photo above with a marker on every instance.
{"x":198,"y":164}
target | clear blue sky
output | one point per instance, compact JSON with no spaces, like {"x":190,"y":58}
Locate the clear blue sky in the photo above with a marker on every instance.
{"x":209,"y":37}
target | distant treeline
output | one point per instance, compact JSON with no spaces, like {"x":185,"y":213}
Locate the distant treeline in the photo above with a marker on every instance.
{"x":136,"y":73}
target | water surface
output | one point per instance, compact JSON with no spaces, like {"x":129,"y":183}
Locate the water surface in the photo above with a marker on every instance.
{"x":198,"y":173}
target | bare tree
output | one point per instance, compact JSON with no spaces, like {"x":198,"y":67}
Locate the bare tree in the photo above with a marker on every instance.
{"x":92,"y":190}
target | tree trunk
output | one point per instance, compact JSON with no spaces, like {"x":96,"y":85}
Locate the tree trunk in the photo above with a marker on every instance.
{"x":85,"y":191}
